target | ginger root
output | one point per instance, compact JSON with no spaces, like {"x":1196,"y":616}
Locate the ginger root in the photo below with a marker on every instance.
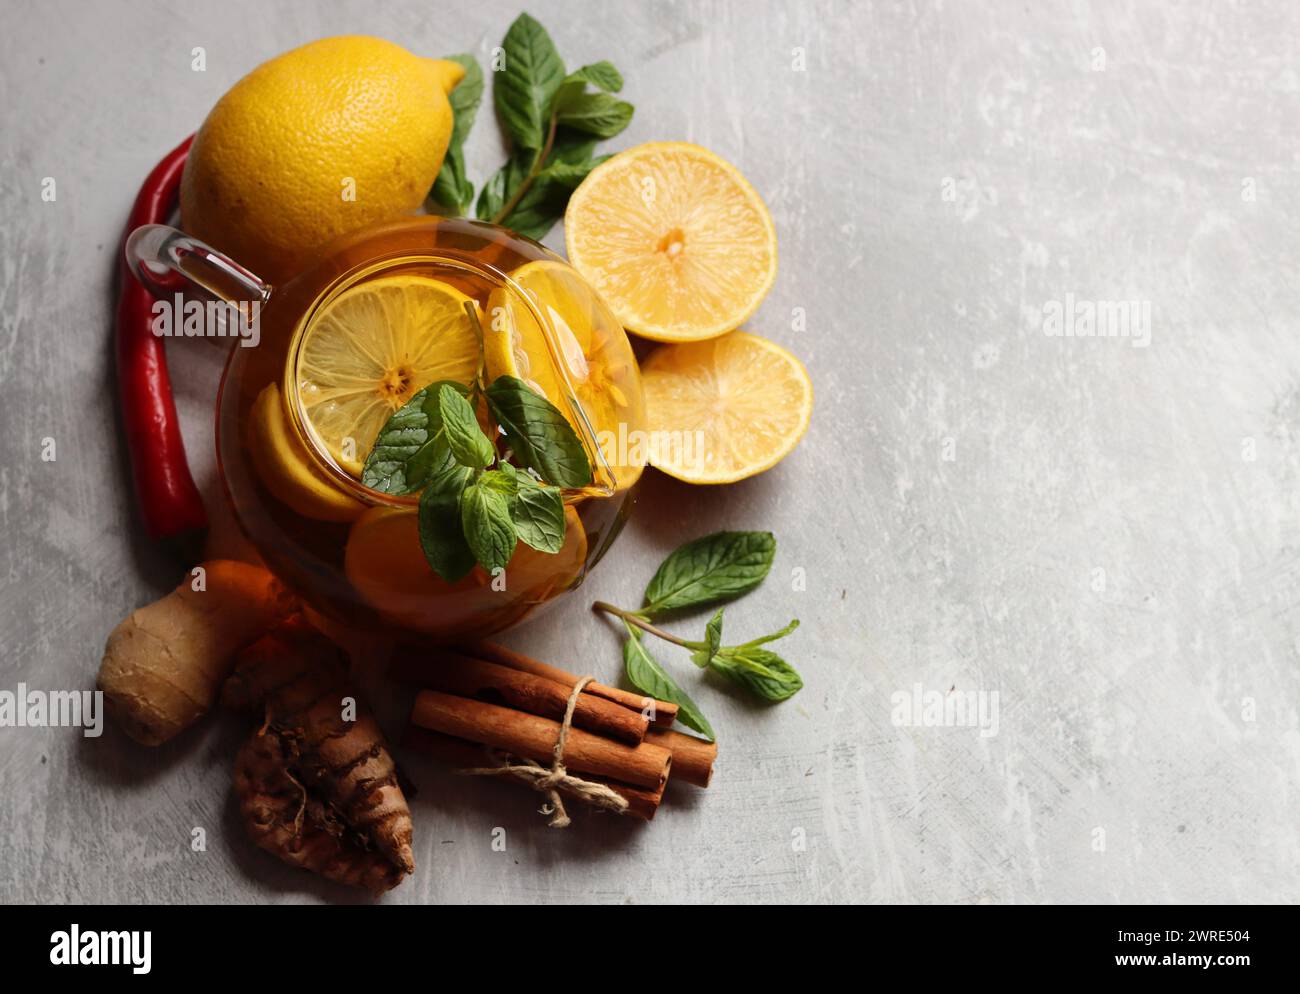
{"x":317,"y":786}
{"x":164,"y":665}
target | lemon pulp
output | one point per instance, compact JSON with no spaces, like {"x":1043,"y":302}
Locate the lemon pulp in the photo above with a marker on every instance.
{"x":674,"y":239}
{"x":370,"y":349}
{"x":735,"y":406}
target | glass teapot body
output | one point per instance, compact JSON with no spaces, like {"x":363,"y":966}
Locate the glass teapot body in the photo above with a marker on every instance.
{"x":353,"y":553}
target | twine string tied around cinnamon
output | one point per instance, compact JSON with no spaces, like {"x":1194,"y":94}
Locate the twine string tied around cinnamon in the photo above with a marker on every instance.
{"x":550,"y":781}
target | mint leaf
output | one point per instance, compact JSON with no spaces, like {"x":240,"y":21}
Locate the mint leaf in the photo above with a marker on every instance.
{"x":596,"y":114}
{"x":761,"y":672}
{"x":466,"y":96}
{"x":782,"y":633}
{"x":538,"y":513}
{"x":469,"y":446}
{"x":524,"y":89}
{"x":570,"y":174}
{"x":411,"y":445}
{"x":571,"y":148}
{"x":503,"y":184}
{"x":647,"y":676}
{"x":706,"y":650}
{"x":541,"y":437}
{"x":489,"y":530}
{"x":504,"y":480}
{"x":442,"y":537}
{"x":452,"y":189}
{"x":533,"y":213}
{"x":543,"y":203}
{"x":714,"y":568}
{"x":602,"y":75}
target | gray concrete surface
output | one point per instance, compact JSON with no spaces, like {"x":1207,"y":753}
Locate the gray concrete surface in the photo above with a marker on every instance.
{"x":1103,"y":534}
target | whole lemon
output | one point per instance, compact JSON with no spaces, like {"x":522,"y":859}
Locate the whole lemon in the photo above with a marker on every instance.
{"x":317,"y":142}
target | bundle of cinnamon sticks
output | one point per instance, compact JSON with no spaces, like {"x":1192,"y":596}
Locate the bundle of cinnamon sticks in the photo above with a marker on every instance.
{"x":484,"y":703}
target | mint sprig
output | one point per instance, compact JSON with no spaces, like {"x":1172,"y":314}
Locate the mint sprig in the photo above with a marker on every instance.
{"x":718,"y":567}
{"x":474,"y":505}
{"x":552,"y":120}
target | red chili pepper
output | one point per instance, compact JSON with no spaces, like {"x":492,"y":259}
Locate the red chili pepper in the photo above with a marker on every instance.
{"x":169,"y":501}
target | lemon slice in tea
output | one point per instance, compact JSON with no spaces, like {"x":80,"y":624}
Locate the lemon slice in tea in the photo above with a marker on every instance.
{"x":385,"y":566}
{"x":590,"y":348}
{"x":286,"y":468}
{"x":370,"y":349}
{"x":674,"y":239}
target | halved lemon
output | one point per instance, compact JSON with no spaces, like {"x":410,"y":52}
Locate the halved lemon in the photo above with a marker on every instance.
{"x":674,"y":239}
{"x":384,"y":563}
{"x":726,"y":409}
{"x":589,"y":346}
{"x":286,"y":468}
{"x":370,"y":349}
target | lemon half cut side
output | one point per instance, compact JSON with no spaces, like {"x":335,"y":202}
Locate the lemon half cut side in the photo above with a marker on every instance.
{"x":739,"y":402}
{"x":674,"y":239}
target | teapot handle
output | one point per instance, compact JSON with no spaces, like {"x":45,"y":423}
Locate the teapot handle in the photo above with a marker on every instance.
{"x":167,"y":261}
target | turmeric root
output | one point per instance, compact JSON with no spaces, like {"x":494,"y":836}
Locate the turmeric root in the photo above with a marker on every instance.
{"x":286,"y":820}
{"x":317,"y":785}
{"x":164,"y":665}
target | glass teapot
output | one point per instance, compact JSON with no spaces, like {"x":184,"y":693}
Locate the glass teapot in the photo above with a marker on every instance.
{"x":326,"y":358}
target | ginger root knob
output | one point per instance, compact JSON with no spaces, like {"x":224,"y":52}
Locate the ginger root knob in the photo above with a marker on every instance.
{"x":164,"y":665}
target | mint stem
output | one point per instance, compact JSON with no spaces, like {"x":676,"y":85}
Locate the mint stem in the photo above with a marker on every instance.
{"x":538,"y":165}
{"x":635,"y":619}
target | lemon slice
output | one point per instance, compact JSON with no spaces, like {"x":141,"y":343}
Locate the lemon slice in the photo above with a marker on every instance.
{"x":589,"y":346}
{"x":370,"y":349}
{"x":674,"y":239}
{"x":725,"y":409}
{"x":286,"y":468}
{"x":385,"y":565}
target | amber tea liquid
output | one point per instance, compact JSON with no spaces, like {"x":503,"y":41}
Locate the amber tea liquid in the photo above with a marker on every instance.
{"x":354,"y":554}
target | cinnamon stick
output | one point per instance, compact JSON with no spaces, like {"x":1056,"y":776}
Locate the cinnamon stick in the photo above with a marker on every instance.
{"x":454,"y":673}
{"x":692,"y":758}
{"x":461,"y":754}
{"x":664,"y":712}
{"x":534,"y":737}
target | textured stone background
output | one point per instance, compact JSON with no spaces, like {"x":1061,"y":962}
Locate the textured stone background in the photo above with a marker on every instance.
{"x":938,"y":173}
